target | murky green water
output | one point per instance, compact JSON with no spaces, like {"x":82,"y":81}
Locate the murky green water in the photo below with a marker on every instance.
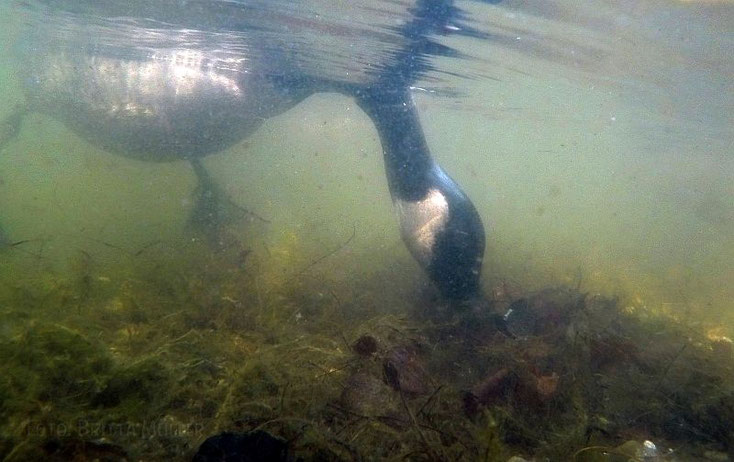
{"x":598,"y":153}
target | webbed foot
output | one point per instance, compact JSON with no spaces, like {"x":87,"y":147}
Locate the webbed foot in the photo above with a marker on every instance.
{"x":10,"y":126}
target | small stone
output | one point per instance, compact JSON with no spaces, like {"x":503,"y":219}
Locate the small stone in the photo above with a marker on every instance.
{"x":404,"y":370}
{"x":366,"y":345}
{"x":547,"y":385}
{"x":722,"y":349}
{"x":493,"y":387}
{"x":367,"y":395}
{"x":716,"y":456}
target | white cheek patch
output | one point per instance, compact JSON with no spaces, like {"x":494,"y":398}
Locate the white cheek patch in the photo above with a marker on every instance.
{"x":421,"y":222}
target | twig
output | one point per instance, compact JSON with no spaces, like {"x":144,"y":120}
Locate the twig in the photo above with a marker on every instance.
{"x":122,"y":249}
{"x":282,"y":397}
{"x":606,"y":449}
{"x":353,"y":452}
{"x":579,"y":278}
{"x":146,"y":247}
{"x":430,"y":398}
{"x":4,"y":243}
{"x":346,"y":342}
{"x":325,"y":256}
{"x":251,"y":213}
{"x":668,"y":366}
{"x":330,"y":371}
{"x":347,"y":411}
{"x":107,"y":244}
{"x":416,"y":426}
{"x":305,"y":422}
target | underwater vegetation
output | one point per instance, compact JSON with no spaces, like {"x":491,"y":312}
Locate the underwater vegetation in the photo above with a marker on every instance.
{"x":176,"y":343}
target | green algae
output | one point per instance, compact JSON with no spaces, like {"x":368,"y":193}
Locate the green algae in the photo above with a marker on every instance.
{"x":146,"y":359}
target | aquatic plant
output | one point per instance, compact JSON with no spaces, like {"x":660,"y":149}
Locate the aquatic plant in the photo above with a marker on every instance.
{"x":149,"y":357}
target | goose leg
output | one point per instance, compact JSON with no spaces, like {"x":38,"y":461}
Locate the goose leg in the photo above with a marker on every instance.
{"x":213,"y":209}
{"x":10,"y":126}
{"x":9,"y":129}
